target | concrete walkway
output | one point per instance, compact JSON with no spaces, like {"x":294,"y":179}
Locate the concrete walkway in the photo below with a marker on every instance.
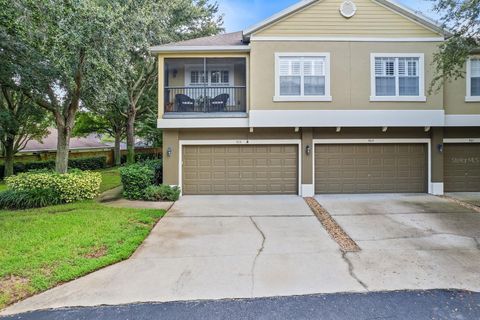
{"x":256,"y":246}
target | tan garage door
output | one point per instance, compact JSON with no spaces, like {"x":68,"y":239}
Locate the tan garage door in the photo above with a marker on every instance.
{"x":370,"y":168}
{"x":462,"y":167}
{"x":240,"y":169}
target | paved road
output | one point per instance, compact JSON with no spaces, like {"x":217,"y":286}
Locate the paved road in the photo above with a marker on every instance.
{"x":405,"y":305}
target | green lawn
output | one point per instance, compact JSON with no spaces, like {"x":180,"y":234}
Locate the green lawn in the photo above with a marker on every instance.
{"x":110,"y":179}
{"x":42,"y":248}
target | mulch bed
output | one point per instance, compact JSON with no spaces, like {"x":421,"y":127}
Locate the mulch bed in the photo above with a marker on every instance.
{"x":336,"y":232}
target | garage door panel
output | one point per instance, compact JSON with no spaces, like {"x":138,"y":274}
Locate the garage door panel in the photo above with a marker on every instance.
{"x":370,"y":168}
{"x":243,"y":169}
{"x":462,"y":167}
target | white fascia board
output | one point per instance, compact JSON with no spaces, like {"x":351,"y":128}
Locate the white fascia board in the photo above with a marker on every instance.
{"x":462,"y":120}
{"x":347,"y":118}
{"x":298,"y":6}
{"x":203,"y":123}
{"x":163,"y":49}
{"x":343,"y":39}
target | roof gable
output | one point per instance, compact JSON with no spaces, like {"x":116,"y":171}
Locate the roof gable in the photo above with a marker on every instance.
{"x":374,"y":18}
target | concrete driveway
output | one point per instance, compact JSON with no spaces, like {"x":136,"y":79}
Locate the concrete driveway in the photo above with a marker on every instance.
{"x":410,"y":241}
{"x":213,"y":248}
{"x":255,"y":246}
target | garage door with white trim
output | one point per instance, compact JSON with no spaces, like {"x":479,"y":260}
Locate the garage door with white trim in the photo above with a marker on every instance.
{"x":370,"y":168}
{"x":462,"y":167}
{"x":240,"y":169}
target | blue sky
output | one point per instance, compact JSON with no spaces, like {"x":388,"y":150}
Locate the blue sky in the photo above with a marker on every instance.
{"x":240,"y":14}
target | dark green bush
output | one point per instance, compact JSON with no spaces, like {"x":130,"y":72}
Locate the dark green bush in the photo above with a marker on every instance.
{"x":142,"y":157}
{"x":157,"y":166}
{"x":28,"y":199}
{"x":135,"y":179}
{"x":162,"y":193}
{"x":92,"y":163}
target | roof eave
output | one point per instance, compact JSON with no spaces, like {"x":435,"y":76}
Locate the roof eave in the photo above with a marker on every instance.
{"x":168,"y":49}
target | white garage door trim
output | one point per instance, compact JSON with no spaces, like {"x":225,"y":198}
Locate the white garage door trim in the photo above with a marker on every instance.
{"x":182,"y":143}
{"x":433,"y":187}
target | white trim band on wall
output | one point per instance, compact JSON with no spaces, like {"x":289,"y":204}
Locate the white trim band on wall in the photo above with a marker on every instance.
{"x":345,"y":39}
{"x":297,"y":142}
{"x":347,"y":118}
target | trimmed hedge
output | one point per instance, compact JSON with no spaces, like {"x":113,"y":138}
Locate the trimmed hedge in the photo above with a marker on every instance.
{"x":162,"y":193}
{"x":92,"y":163}
{"x":66,"y":188}
{"x":143,"y":181}
{"x":28,"y":199}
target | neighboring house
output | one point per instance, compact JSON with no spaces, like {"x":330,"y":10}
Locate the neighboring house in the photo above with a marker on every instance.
{"x":49,"y":143}
{"x":324,"y":97}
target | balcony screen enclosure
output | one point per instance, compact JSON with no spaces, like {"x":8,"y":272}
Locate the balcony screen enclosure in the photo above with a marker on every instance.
{"x":205,"y":85}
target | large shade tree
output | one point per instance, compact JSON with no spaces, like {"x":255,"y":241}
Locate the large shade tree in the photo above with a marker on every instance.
{"x":462,"y":19}
{"x":154,"y":22}
{"x":20,"y":121}
{"x":60,"y":49}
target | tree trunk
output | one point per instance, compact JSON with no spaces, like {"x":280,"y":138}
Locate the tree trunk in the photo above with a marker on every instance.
{"x":131,"y":135}
{"x":63,"y":147}
{"x":9,"y":156}
{"x":117,"y":155}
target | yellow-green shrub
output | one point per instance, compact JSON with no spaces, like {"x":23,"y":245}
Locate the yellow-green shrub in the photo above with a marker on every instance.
{"x":70,"y":187}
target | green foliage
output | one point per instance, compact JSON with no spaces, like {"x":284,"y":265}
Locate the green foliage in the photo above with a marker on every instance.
{"x":135,"y":178}
{"x":70,"y":187}
{"x":27,"y":199}
{"x":462,"y":18}
{"x":91,"y":163}
{"x":162,"y":193}
{"x":54,"y":245}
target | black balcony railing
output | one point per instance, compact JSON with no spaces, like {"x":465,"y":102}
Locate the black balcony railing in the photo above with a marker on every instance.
{"x":205,"y":99}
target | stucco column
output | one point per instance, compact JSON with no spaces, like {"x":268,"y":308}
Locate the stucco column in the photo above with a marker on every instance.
{"x":437,"y":161}
{"x":171,"y":156}
{"x":307,"y":188}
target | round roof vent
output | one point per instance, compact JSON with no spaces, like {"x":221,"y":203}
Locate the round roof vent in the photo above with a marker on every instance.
{"x":348,"y":9}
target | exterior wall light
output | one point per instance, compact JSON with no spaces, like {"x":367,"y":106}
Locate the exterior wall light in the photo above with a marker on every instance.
{"x":440,"y":148}
{"x":169,"y":152}
{"x":308,"y":150}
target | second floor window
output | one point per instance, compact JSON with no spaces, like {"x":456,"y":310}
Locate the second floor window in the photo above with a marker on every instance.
{"x":473,"y":79}
{"x":302,"y":77}
{"x":397,"y":78}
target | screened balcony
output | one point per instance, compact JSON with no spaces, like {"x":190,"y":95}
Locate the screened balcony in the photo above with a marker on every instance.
{"x":205,"y":87}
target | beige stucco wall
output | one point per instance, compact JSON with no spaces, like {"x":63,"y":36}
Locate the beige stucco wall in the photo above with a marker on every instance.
{"x":323,"y":19}
{"x":455,"y":92}
{"x":349,"y":74}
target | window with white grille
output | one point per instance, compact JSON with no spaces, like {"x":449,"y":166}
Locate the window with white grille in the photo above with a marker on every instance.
{"x":302,"y":77}
{"x":397,"y":77}
{"x":473,"y":79}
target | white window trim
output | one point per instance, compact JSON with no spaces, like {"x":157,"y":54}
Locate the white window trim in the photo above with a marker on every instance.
{"x":279,"y":98}
{"x":469,"y":97}
{"x":420,"y":98}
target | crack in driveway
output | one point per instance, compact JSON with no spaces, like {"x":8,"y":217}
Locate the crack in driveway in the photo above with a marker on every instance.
{"x":260,"y":250}
{"x":351,"y":270}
